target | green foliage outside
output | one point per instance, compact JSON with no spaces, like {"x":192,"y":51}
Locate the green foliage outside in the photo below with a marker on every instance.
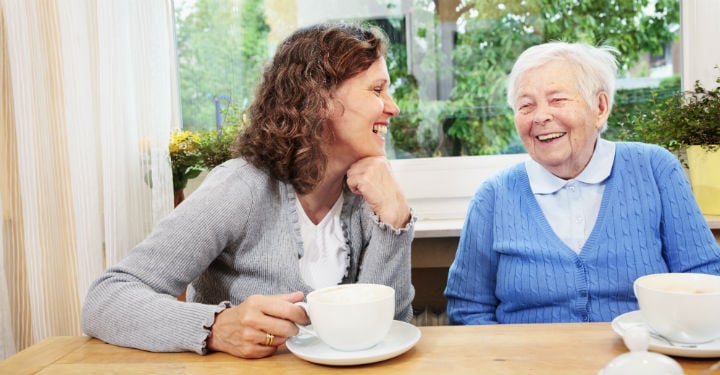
{"x":193,"y":151}
{"x":490,"y":35}
{"x":678,"y":121}
{"x":631,"y":105}
{"x":215,"y":145}
{"x":475,"y":119}
{"x":406,"y":132}
{"x":222,"y":47}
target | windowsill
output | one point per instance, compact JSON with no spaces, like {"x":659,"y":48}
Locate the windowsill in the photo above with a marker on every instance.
{"x":440,"y":189}
{"x":438,"y":228}
{"x":453,"y":227}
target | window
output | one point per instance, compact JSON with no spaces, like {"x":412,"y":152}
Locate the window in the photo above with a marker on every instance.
{"x":448,"y":59}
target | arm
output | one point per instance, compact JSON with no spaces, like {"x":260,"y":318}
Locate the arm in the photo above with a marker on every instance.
{"x":385,"y":259}
{"x":133,"y":304}
{"x":688,"y":243}
{"x":472,"y":278}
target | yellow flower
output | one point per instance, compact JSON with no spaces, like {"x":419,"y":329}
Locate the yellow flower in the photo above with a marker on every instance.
{"x":185,"y":157}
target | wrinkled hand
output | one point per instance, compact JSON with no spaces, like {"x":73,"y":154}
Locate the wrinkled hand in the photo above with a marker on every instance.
{"x":242,"y":330}
{"x":371,"y":177}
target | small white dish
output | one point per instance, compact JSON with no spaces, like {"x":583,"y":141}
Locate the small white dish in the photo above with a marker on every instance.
{"x":401,"y":338}
{"x":635,"y":318}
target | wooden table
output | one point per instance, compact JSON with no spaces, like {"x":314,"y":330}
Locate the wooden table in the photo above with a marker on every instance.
{"x":501,"y":349}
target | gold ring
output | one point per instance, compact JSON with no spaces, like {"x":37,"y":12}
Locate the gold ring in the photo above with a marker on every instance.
{"x":269,"y":337}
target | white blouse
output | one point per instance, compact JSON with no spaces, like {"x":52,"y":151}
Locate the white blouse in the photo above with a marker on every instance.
{"x":571,"y":206}
{"x":325,"y":255}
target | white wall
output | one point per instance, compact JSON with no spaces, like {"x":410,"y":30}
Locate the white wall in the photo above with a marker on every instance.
{"x":700,"y":42}
{"x":441,"y":188}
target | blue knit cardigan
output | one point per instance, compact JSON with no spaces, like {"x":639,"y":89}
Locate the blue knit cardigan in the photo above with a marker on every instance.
{"x":510,"y":267}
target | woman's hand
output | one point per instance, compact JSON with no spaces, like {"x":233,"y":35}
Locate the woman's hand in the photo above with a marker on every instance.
{"x":244,"y":330}
{"x":371,"y":177}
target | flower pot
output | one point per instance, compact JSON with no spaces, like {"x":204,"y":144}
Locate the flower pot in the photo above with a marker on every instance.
{"x":704,"y":166}
{"x":179,"y":196}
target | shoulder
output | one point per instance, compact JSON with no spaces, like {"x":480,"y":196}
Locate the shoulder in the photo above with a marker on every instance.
{"x":636,"y":152}
{"x":234,"y":183}
{"x":507,"y":180}
{"x":635,"y":149}
{"x":234,"y":173}
{"x":235,"y":167}
{"x":508,"y":177}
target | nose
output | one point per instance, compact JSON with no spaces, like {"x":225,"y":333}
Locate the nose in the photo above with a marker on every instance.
{"x":391,"y":108}
{"x":542,"y":115}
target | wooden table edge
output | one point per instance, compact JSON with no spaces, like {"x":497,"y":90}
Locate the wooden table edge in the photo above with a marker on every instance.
{"x":41,"y":355}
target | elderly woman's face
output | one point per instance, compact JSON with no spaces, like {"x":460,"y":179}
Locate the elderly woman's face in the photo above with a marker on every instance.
{"x":557,"y":126}
{"x":362,"y":114}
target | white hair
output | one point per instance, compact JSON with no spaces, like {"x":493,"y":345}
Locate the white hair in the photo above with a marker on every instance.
{"x":595,"y":67}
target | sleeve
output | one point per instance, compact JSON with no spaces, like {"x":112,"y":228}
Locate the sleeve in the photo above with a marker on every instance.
{"x":134,"y":302}
{"x":688,"y":242}
{"x":385,"y":259}
{"x":472,"y":277}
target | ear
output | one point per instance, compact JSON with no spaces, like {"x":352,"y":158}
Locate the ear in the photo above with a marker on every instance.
{"x":602,"y":108}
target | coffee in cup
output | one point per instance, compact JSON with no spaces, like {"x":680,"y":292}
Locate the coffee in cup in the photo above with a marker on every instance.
{"x":350,"y":317}
{"x":682,"y":307}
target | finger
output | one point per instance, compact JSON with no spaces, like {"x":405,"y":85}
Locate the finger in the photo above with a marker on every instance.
{"x":292,"y":297}
{"x":281,"y":327}
{"x":298,"y":297}
{"x":253,"y":351}
{"x":276,"y":315}
{"x":282,"y":307}
{"x":269,"y":339}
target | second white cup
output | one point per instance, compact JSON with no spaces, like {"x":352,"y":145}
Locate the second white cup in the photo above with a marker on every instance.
{"x":682,"y":307}
{"x":350,"y":317}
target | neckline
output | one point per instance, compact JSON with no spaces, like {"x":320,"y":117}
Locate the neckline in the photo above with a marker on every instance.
{"x":333,"y":212}
{"x":592,"y":239}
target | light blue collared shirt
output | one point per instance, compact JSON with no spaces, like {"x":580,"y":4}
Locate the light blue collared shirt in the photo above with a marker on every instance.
{"x":571,"y":206}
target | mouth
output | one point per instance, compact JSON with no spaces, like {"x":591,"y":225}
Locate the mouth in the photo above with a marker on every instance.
{"x":550,"y":137}
{"x":380,"y":130}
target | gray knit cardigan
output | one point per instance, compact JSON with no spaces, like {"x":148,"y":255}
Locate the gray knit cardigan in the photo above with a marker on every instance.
{"x":235,"y":236}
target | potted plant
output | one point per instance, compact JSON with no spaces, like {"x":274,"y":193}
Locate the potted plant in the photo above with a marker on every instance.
{"x":215,"y":146}
{"x":687,"y":124}
{"x":185,"y":160}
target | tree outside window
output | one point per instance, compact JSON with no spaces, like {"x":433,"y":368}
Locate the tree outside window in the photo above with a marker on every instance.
{"x":448,"y":60}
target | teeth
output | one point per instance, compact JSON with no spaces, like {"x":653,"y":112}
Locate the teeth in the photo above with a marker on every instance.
{"x":550,"y":136}
{"x":379,"y":129}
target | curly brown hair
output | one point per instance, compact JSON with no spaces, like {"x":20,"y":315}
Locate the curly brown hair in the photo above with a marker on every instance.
{"x":286,"y":121}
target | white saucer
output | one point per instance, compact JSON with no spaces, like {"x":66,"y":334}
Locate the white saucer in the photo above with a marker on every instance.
{"x":634,"y":318}
{"x":401,"y":338}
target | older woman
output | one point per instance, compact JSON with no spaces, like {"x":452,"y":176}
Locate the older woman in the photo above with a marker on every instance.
{"x":562,"y":237}
{"x":309,"y":203}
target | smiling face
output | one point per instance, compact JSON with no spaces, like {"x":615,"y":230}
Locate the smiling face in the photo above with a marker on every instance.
{"x":362,"y":111}
{"x":557,"y":126}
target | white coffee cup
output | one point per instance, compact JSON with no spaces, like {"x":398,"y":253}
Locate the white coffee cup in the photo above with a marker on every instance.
{"x":350,"y":317}
{"x":682,"y":307}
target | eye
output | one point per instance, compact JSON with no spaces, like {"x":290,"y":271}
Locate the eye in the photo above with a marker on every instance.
{"x":524,"y":107}
{"x":378,"y":90}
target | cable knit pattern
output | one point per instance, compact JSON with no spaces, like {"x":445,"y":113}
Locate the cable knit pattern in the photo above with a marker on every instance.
{"x":235,"y":236}
{"x":510,"y":267}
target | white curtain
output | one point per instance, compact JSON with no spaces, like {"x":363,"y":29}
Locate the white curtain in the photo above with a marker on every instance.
{"x":89,"y":98}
